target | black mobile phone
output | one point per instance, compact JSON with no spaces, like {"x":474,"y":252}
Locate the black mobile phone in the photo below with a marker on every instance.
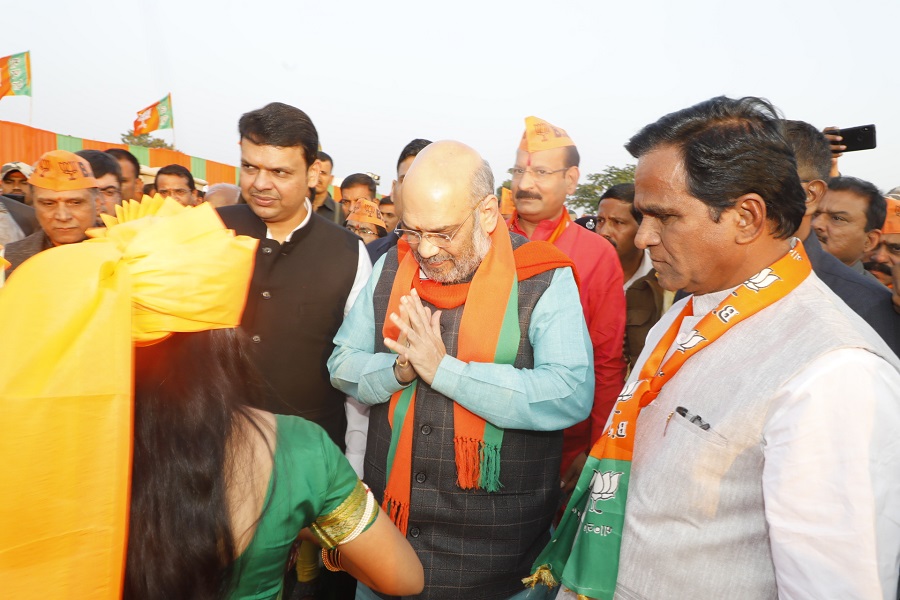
{"x":856,"y":138}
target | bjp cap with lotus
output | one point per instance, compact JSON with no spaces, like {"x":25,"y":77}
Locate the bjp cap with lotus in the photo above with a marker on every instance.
{"x":541,"y":135}
{"x":60,"y":170}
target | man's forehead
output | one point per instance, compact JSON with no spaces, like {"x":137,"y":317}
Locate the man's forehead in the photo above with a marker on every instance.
{"x":433,"y":212}
{"x":272,"y":157}
{"x":429,"y":222}
{"x":17,"y":175}
{"x":843,"y":200}
{"x":554,"y":157}
{"x":356,"y":192}
{"x":44,"y":194}
{"x":127,"y":168}
{"x":108,"y":179}
{"x":168,"y":177}
{"x":403,"y":167}
{"x":615,"y":206}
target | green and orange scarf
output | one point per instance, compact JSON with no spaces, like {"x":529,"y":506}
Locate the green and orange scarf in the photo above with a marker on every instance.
{"x":489,"y":332}
{"x":584,"y":551}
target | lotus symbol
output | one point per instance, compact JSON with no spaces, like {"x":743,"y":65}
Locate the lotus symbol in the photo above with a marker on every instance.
{"x":603,"y":487}
{"x":693,"y":338}
{"x":628,"y":391}
{"x":144,"y":117}
{"x":761,"y":280}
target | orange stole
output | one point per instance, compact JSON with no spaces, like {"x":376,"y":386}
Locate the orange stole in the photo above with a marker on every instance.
{"x":480,"y":328}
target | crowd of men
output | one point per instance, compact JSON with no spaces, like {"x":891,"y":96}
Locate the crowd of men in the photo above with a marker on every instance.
{"x":471,"y":366}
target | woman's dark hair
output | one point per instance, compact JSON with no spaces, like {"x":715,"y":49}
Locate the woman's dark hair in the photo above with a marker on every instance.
{"x":731,"y":148}
{"x":191,"y":391}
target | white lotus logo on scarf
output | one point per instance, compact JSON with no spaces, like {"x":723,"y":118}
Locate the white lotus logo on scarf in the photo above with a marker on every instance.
{"x":603,"y":487}
{"x":628,"y":391}
{"x":761,"y":280}
{"x":693,"y":338}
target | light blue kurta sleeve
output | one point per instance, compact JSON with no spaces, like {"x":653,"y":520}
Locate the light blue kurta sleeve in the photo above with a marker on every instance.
{"x":354,"y":366}
{"x":556,"y":393}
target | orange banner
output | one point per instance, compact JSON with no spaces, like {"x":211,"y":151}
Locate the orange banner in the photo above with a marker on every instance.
{"x":23,"y":143}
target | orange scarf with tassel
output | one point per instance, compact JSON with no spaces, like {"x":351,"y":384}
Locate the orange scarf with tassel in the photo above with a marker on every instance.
{"x":489,"y":332}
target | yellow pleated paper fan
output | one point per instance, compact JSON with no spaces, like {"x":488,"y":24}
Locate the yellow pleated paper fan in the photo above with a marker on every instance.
{"x":131,"y":210}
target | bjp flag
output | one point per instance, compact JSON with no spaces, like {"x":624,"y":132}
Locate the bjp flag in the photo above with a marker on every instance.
{"x":15,"y":75}
{"x":156,"y":116}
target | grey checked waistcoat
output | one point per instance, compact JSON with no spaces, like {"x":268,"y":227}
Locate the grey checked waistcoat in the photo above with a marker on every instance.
{"x":472,"y":544}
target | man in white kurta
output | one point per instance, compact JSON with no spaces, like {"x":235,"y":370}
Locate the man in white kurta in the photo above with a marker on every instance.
{"x":794,"y":486}
{"x":769,"y":465}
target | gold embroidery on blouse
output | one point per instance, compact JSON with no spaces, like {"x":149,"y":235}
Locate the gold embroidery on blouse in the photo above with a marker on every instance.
{"x":335,"y":527}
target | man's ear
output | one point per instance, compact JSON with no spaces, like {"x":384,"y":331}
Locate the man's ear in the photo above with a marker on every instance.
{"x":750,"y":217}
{"x":489,"y":213}
{"x":815,"y":191}
{"x":873,"y":238}
{"x":312,"y":174}
{"x":572,"y":175}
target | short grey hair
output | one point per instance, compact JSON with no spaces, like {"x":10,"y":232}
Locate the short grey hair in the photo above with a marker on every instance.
{"x":482,"y":183}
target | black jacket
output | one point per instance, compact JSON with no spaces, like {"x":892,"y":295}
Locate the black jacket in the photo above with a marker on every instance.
{"x":865,"y":295}
{"x":294,"y":309}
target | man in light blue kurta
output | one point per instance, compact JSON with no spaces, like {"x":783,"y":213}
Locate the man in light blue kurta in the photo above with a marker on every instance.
{"x":553,"y":395}
{"x":548,"y":387}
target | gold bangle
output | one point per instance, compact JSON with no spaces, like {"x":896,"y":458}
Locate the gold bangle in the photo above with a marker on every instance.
{"x":332,"y":559}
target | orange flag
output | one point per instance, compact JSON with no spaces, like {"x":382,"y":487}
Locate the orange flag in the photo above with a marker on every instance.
{"x":15,"y":75}
{"x":507,"y":205}
{"x":156,"y":116}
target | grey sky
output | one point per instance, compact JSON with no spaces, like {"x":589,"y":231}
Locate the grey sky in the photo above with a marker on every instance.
{"x":374,"y":75}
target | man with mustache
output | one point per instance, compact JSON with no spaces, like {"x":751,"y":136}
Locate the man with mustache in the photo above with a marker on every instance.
{"x":887,"y":253}
{"x":469,"y":345}
{"x":862,"y":293}
{"x":753,"y":453}
{"x":849,"y":219}
{"x":545,"y":172}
